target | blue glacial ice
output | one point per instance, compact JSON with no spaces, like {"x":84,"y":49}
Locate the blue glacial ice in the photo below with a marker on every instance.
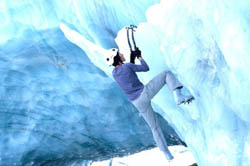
{"x":59,"y":105}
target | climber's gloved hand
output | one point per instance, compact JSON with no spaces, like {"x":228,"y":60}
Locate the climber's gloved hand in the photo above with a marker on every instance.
{"x":136,"y":53}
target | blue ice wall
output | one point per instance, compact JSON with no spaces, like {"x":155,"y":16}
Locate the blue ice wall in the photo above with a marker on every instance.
{"x":208,"y":53}
{"x":97,"y":20}
{"x":206,"y":43}
{"x":44,"y":77}
{"x":57,"y":108}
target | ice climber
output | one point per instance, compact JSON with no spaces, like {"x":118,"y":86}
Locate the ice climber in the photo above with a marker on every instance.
{"x":140,"y":95}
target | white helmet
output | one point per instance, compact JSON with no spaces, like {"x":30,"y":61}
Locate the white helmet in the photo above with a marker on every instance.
{"x":110,"y":56}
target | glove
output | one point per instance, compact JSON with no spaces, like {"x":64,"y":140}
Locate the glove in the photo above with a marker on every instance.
{"x":134,"y":54}
{"x":137,"y":52}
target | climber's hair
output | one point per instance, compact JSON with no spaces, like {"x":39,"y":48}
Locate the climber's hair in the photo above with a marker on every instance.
{"x":117,"y":59}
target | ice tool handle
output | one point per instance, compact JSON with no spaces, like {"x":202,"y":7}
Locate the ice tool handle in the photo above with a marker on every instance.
{"x":131,"y":27}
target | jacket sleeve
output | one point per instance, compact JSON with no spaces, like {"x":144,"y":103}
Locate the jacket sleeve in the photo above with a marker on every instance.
{"x":139,"y":68}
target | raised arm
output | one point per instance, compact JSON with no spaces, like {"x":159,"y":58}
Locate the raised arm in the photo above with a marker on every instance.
{"x":143,"y":67}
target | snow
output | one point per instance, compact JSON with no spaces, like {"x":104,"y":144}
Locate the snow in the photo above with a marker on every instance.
{"x":152,"y":157}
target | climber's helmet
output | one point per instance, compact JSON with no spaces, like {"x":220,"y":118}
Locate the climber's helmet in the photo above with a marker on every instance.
{"x":111,"y":54}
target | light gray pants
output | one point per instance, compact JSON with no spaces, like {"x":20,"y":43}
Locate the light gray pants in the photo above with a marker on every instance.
{"x":143,"y":104}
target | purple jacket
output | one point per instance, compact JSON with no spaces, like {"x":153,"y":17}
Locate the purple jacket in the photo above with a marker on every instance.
{"x":125,"y":76}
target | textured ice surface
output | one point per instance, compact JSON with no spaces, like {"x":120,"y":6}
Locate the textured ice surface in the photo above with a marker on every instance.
{"x":50,"y":91}
{"x":58,"y":108}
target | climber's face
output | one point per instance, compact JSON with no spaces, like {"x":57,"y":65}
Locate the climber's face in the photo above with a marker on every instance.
{"x":122,"y":57}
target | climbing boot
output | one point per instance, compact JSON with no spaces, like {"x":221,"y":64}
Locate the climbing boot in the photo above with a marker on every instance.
{"x":180,"y":98}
